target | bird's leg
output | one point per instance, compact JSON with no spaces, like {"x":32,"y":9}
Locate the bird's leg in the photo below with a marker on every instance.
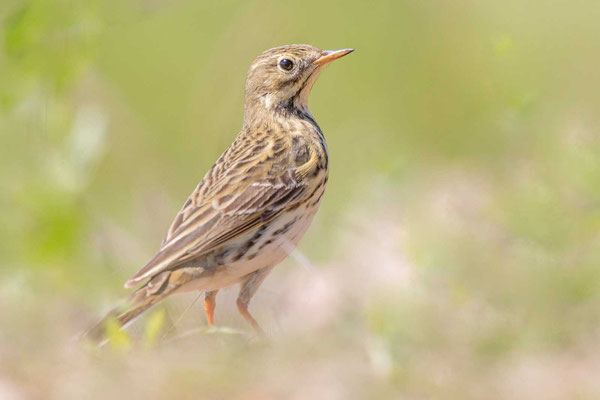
{"x":249,"y":286}
{"x":209,"y":306}
{"x":243,"y":308}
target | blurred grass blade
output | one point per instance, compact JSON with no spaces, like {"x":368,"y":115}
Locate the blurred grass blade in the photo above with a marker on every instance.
{"x":153,"y":327}
{"x":118,"y":339}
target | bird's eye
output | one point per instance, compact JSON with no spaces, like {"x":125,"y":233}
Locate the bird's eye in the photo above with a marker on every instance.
{"x":286,"y":64}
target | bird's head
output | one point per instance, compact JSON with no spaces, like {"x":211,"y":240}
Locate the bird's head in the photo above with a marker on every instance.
{"x":280,"y":79}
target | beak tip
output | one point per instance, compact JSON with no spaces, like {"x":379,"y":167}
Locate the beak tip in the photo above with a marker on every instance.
{"x":330,"y":55}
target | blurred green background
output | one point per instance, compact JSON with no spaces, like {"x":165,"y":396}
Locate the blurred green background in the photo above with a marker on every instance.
{"x":455,"y":255}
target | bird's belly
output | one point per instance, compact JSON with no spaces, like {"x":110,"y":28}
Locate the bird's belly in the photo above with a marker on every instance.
{"x":277,"y":241}
{"x":279,"y":238}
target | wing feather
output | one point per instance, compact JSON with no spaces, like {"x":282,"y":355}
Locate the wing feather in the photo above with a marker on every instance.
{"x":215,"y":221}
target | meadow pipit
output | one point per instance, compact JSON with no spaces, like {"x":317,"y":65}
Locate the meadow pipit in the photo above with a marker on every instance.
{"x":257,"y":200}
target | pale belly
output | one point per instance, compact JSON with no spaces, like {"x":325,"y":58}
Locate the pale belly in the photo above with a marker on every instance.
{"x":265,"y":247}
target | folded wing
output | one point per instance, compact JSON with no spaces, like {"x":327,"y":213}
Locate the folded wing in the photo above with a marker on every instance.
{"x":213,"y":221}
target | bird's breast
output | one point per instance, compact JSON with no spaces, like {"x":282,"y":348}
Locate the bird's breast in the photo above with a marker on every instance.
{"x":308,"y":149}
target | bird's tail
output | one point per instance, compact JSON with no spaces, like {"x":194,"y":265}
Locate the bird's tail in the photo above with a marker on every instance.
{"x":139,"y":302}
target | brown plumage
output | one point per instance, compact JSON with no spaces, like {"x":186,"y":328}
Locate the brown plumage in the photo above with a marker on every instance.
{"x":252,"y":207}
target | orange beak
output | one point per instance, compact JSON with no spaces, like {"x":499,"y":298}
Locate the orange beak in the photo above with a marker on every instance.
{"x":330,"y":55}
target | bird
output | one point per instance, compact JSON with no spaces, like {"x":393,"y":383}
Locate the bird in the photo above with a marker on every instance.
{"x":255,"y":203}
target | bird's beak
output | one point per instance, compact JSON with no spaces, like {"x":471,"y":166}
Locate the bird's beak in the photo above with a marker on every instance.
{"x":329,"y":55}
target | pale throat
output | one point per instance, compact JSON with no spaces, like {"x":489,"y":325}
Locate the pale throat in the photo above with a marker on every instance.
{"x":298,"y":98}
{"x":301,"y":99}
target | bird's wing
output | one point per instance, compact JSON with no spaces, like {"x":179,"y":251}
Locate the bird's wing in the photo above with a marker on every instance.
{"x":237,"y":195}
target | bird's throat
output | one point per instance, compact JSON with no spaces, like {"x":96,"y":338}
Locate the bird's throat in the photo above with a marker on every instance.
{"x":275,"y":106}
{"x":266,"y":110}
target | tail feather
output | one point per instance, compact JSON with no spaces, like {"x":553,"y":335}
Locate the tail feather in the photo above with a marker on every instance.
{"x":156,"y":289}
{"x":138,"y":303}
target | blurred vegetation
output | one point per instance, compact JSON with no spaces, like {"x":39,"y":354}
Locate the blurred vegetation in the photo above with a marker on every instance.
{"x":456,"y":252}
